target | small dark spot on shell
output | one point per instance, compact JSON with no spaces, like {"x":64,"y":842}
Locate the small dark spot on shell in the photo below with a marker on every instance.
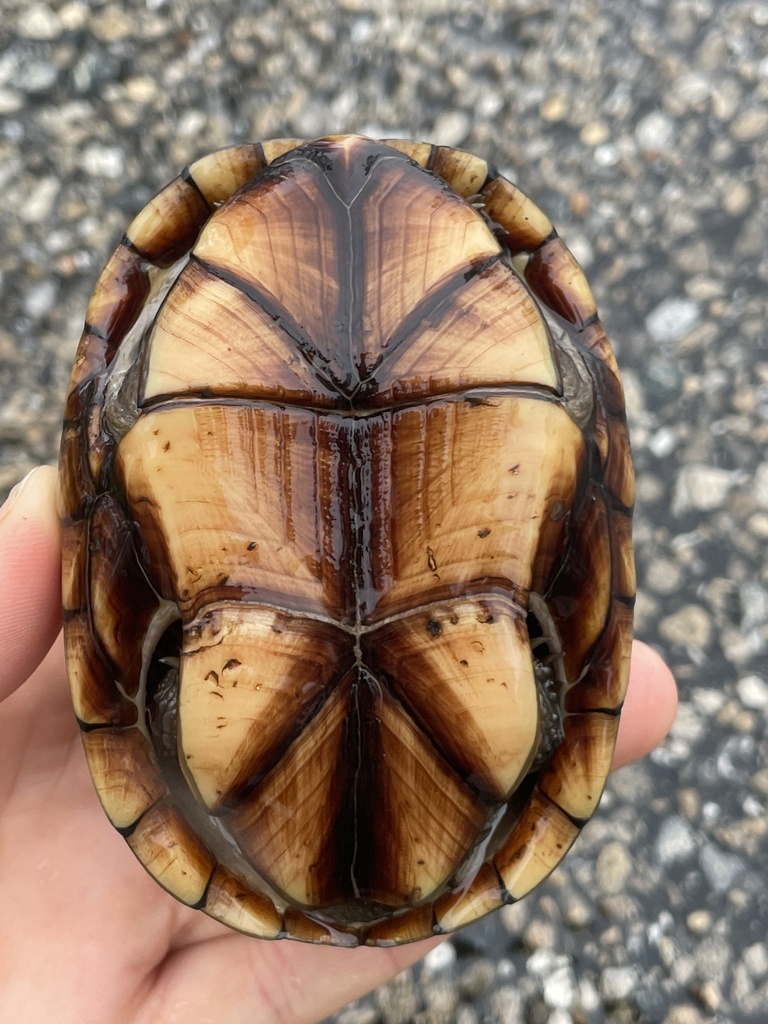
{"x":515,"y":469}
{"x":557,"y":512}
{"x":464,"y":662}
{"x":252,"y":545}
{"x":232,"y":663}
{"x":166,"y":446}
{"x":434,"y":628}
{"x":431,"y":560}
{"x":483,"y":533}
{"x":214,"y":676}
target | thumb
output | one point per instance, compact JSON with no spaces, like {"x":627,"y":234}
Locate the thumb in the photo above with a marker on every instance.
{"x":30,"y":576}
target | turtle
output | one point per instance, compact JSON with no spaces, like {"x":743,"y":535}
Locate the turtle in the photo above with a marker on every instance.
{"x":346,"y":496}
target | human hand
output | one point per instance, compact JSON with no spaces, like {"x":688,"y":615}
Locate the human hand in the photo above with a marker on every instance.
{"x":87,"y":937}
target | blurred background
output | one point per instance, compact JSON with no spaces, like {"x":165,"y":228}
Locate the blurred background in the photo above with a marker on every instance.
{"x":642,"y":129}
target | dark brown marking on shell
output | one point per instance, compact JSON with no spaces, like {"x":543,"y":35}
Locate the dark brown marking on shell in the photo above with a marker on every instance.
{"x":557,"y":279}
{"x":604,"y":684}
{"x":579,"y":596}
{"x":117,"y":300}
{"x":97,"y":698}
{"x":122,"y":601}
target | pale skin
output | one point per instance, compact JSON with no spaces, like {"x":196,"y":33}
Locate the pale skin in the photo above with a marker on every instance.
{"x":87,"y":937}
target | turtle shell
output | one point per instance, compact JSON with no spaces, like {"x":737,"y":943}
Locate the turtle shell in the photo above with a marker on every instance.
{"x":346,"y":497}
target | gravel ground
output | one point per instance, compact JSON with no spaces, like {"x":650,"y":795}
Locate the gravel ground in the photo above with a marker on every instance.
{"x":643,"y":130}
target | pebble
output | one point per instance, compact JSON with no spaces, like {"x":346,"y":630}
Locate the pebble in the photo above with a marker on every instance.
{"x":699,"y":922}
{"x":755,"y":960}
{"x":451,"y":128}
{"x":507,"y":1006}
{"x":749,"y":125}
{"x":683,"y":1014}
{"x":721,"y":869}
{"x":690,"y":626}
{"x":103,"y":161}
{"x":40,"y":298}
{"x":663,"y":442}
{"x":760,"y":485}
{"x":663,"y":576}
{"x":38,"y":21}
{"x":477,"y":977}
{"x":560,"y":989}
{"x":702,"y":488}
{"x":737,"y":199}
{"x":675,"y":843}
{"x":672,"y":319}
{"x":617,"y":983}
{"x":655,"y":132}
{"x":39,"y":203}
{"x":613,"y":868}
{"x":440,"y":958}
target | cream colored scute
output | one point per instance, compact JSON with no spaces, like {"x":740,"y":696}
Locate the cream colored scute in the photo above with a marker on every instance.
{"x":209,"y":336}
{"x":226,"y":496}
{"x":417,"y":236}
{"x":247,"y":676}
{"x":464,"y":671}
{"x":423,"y":819}
{"x":472,"y":487}
{"x":282,"y":240}
{"x":489,"y":333}
{"x":288,"y":827}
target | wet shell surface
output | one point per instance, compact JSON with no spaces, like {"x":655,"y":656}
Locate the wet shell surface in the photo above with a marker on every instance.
{"x":346,"y":497}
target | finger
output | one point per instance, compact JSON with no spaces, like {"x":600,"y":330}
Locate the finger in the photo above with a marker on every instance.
{"x":649,"y":708}
{"x":30,"y":581}
{"x":272,"y":982}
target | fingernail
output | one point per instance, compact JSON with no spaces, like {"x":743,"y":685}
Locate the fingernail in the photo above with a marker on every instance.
{"x":15,"y":494}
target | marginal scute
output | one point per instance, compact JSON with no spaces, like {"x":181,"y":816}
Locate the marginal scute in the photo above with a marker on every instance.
{"x":220,"y":174}
{"x":579,"y":597}
{"x":125,"y":773}
{"x":172,"y":853}
{"x":575,"y":775}
{"x":523,"y":226}
{"x":408,"y":927}
{"x":232,"y":902}
{"x":604,"y":684}
{"x":122,"y":601}
{"x":118,"y":298}
{"x":419,"y":152}
{"x":346,"y":531}
{"x":464,"y":172}
{"x":169,"y":224}
{"x":475,"y":898}
{"x":278,"y":147}
{"x":538,"y":842}
{"x":558,"y":280}
{"x":96,"y":695}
